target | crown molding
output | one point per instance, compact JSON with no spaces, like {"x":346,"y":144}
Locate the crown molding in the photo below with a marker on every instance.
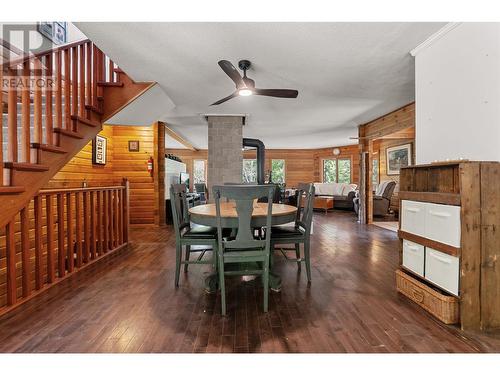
{"x":434,"y":37}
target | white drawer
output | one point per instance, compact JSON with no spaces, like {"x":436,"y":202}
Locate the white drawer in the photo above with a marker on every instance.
{"x":442,"y":223}
{"x":413,"y":217}
{"x":442,"y":269}
{"x":413,"y":257}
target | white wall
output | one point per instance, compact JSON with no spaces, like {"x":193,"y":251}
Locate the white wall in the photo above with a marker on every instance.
{"x":458,"y":94}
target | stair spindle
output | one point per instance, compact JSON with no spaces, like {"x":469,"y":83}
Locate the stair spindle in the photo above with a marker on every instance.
{"x":61,"y":258}
{"x":111,"y":219}
{"x":69,"y":220}
{"x":12,"y":118}
{"x":92,"y":226}
{"x":11,"y":263}
{"x":59,"y":88}
{"x":111,"y":71}
{"x":86,"y":227}
{"x":37,"y":102}
{"x":88,"y":85}
{"x":49,"y":131}
{"x":81,"y":81}
{"x":100,"y":245}
{"x":120,"y":229}
{"x":25,"y":114}
{"x":25,"y":253}
{"x":50,"y":239}
{"x":67,"y":90}
{"x":78,"y":213}
{"x":38,"y":242}
{"x":105,"y":221}
{"x":115,"y":218}
{"x":94,"y":76}
{"x":74,"y":85}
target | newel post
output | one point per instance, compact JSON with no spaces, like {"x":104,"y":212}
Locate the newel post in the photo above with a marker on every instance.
{"x":126,"y":209}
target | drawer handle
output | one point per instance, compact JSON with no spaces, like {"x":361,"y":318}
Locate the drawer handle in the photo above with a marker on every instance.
{"x":419,"y":297}
{"x":412,"y":248}
{"x":441,"y":259}
{"x":439,"y":214}
{"x":412,"y":209}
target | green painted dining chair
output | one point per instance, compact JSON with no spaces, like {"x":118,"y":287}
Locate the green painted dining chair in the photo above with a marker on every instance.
{"x":300,"y":233}
{"x":244,"y":254}
{"x":189,"y":235}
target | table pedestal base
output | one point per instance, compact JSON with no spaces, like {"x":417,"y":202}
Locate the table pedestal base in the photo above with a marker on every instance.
{"x":212,"y":282}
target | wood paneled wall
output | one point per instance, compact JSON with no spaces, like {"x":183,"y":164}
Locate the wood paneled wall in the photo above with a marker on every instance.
{"x":396,"y":122}
{"x":80,"y":168}
{"x":301,"y":165}
{"x":121,"y":163}
{"x":380,"y":148}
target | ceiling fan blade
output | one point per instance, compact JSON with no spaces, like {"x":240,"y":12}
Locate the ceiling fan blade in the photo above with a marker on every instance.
{"x":234,"y":94}
{"x":231,"y":71}
{"x":277,"y":93}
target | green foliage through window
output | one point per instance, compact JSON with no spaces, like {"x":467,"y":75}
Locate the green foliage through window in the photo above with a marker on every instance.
{"x":249,"y":170}
{"x":337,"y":170}
{"x":199,"y":171}
{"x":344,"y":169}
{"x":330,"y":170}
{"x":278,"y":170}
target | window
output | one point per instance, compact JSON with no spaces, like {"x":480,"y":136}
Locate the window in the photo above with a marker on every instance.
{"x":278,"y":171}
{"x":344,"y":171}
{"x":249,"y":170}
{"x":375,"y":171}
{"x":337,"y":170}
{"x":330,"y":170}
{"x":199,"y":171}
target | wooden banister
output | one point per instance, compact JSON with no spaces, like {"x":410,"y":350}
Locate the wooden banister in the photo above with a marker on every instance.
{"x":73,"y":247}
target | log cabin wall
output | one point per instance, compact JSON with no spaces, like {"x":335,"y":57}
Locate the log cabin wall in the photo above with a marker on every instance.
{"x":121,"y":163}
{"x":301,"y":165}
{"x":400,"y":121}
{"x":380,"y":150}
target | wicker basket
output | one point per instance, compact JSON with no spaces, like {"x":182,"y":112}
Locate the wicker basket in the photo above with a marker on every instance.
{"x":443,"y":307}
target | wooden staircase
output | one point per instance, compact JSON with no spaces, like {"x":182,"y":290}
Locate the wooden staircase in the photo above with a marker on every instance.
{"x":54,"y":104}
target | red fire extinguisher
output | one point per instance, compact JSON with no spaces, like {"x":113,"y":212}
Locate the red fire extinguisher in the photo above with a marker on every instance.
{"x":150,"y":165}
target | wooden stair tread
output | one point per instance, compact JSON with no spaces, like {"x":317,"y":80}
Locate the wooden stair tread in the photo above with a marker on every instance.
{"x":110,"y":84}
{"x":85,"y":121}
{"x":68,"y":133}
{"x":11,"y":190}
{"x":49,"y":148}
{"x":26,"y":166}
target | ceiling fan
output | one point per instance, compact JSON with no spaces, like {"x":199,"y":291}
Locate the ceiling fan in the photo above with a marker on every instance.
{"x":246,"y":86}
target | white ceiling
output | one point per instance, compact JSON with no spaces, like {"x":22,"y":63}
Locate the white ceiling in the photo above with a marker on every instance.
{"x":346,"y":74}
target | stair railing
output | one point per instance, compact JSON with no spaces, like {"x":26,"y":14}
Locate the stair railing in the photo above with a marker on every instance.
{"x":49,"y":93}
{"x":58,"y":233}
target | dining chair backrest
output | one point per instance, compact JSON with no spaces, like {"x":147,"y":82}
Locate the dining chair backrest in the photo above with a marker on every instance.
{"x":305,"y":205}
{"x":244,"y":198}
{"x":178,"y":202}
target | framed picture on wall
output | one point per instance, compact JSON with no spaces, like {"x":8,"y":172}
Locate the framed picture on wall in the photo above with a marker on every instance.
{"x":133,"y":146}
{"x":398,"y":157}
{"x":99,"y":150}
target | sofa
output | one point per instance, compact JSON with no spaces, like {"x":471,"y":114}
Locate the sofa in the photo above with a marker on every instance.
{"x":342,"y":193}
{"x":381,"y":198}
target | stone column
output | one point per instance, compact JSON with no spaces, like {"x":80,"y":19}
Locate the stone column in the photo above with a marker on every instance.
{"x":225,"y":158}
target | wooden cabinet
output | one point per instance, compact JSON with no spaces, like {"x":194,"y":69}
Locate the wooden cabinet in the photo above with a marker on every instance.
{"x":452,"y":211}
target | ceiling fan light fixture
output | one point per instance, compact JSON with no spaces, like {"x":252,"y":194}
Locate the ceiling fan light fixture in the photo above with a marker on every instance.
{"x":245,"y":92}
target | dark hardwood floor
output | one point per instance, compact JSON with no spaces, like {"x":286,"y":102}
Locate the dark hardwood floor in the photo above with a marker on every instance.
{"x":128,"y":303}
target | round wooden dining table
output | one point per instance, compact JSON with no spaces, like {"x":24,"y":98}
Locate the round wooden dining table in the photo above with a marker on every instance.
{"x":206,"y":215}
